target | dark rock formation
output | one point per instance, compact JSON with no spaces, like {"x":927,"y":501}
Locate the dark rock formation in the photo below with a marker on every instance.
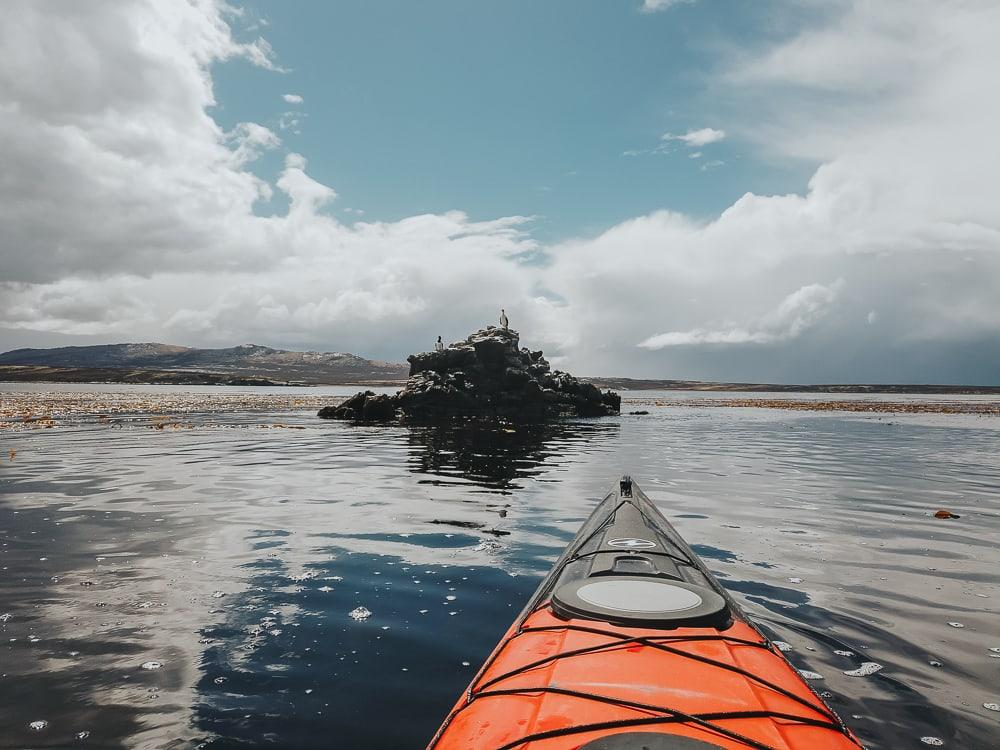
{"x":484,"y":376}
{"x":363,"y":407}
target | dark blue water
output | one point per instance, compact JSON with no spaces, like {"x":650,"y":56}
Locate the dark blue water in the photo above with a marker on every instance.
{"x":227,"y":560}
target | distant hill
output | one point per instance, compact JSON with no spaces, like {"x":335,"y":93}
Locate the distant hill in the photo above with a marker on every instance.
{"x":148,"y":362}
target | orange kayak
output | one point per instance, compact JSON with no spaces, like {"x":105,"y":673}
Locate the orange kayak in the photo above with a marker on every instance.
{"x":631,"y":644}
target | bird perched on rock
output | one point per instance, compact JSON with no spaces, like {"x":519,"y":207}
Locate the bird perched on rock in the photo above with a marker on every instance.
{"x":504,"y":323}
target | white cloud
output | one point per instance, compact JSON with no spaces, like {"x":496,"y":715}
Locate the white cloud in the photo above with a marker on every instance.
{"x":290,"y":121}
{"x":798,"y":312}
{"x":652,"y":6}
{"x":128,"y":212}
{"x":292,"y":98}
{"x":696,"y":138}
{"x":695,"y":155}
{"x":248,"y":140}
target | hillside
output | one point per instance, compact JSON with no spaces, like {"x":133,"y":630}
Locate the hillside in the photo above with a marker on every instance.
{"x":248,"y":361}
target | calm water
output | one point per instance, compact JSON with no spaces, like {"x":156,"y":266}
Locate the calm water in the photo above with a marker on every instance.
{"x":225,"y":559}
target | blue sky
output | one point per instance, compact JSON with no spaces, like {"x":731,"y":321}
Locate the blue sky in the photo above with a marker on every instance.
{"x":514,"y":108}
{"x":739,"y":190}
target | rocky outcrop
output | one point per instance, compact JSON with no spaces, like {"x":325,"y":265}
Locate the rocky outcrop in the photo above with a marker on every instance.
{"x":486,"y":375}
{"x":366,"y":406}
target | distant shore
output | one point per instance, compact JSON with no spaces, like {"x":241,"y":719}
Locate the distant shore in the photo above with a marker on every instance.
{"x":105,"y":375}
{"x":635,"y":384}
{"x":138,"y":376}
{"x":40,"y":409}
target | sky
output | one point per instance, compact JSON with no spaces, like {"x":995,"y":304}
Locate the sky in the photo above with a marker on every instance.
{"x":739,"y":190}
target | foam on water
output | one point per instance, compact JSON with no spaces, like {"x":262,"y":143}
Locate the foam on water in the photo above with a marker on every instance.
{"x":360,"y":613}
{"x":866,"y":669}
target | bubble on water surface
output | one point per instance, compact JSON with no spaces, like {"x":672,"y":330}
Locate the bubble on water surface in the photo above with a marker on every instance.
{"x":867,"y":668}
{"x":841,"y":652}
{"x":82,"y":735}
{"x":992,"y":706}
{"x":218,"y":594}
{"x":490,"y":546}
{"x":219,"y":680}
{"x":38,"y":726}
{"x":795,"y":580}
{"x":360,"y":613}
{"x":151,"y":665}
{"x":808,"y":675}
{"x":325,"y":589}
{"x":450,"y":598}
{"x":936,"y":741}
{"x":5,"y":617}
{"x":782,"y":645}
{"x":935,"y":663}
{"x":956,"y":624}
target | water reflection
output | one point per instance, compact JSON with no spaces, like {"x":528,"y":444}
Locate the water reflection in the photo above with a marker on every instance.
{"x":497,"y":457}
{"x":287,"y":664}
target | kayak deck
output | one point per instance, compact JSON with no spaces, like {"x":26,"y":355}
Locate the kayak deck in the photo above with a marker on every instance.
{"x":586,"y":666}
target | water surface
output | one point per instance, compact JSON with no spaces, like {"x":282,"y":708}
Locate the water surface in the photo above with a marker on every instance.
{"x":193,"y":587}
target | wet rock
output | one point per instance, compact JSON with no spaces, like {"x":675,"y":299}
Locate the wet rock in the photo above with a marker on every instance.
{"x":946,"y":514}
{"x":486,"y":375}
{"x":366,"y":406}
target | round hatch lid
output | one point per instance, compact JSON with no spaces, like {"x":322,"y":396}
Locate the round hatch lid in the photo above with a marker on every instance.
{"x":648,"y":741}
{"x":641,"y":600}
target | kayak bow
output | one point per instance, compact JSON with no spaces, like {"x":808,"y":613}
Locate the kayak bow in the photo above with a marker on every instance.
{"x":631,"y":644}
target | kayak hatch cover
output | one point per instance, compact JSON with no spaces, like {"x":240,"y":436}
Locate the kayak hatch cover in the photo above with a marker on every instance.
{"x":630,"y":643}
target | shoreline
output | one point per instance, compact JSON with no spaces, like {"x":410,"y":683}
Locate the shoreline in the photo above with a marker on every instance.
{"x":27,"y":410}
{"x":47,"y":375}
